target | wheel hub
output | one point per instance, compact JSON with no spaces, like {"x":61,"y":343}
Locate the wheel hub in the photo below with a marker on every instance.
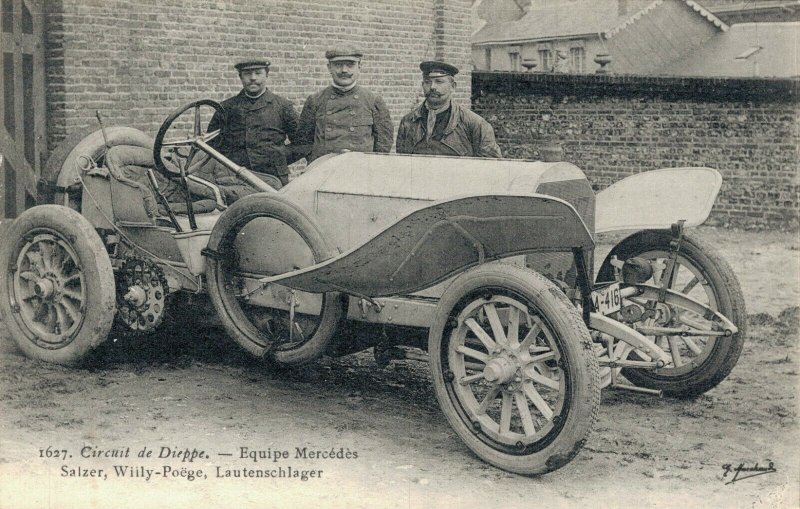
{"x":44,"y":288}
{"x":499,"y":370}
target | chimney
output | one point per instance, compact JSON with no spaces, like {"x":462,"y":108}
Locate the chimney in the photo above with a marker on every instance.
{"x":622,"y":7}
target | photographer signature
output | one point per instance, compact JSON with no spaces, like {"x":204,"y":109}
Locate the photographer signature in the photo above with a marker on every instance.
{"x":742,"y":472}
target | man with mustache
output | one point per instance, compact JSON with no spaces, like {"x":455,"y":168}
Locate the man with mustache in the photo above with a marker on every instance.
{"x":439,"y":126}
{"x":258,"y":129}
{"x":344,"y":116}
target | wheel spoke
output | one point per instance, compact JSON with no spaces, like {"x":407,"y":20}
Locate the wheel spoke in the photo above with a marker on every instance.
{"x":63,"y":258}
{"x":72,"y":310}
{"x":690,"y":285}
{"x":46,"y":250}
{"x":469,"y":352}
{"x":494,"y":321}
{"x":178,"y":143}
{"x":73,"y":295}
{"x":505,"y":414}
{"x":197,"y":130}
{"x":189,"y":158}
{"x":544,"y":357}
{"x":61,"y":318}
{"x":692,"y":346}
{"x":537,"y":400}
{"x":50,"y":317}
{"x":542,"y":379}
{"x":28,"y":276}
{"x":674,"y":348}
{"x":530,"y":337}
{"x":210,"y":136}
{"x":513,"y":327}
{"x":488,"y":400}
{"x":39,"y":312}
{"x":466,"y":380}
{"x":71,"y":278}
{"x":524,"y":413}
{"x":35,"y":258}
{"x":481,"y":334}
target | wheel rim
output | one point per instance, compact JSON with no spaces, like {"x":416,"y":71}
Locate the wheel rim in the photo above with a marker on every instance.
{"x":48,"y":289}
{"x":688,"y":353}
{"x":507,"y":374}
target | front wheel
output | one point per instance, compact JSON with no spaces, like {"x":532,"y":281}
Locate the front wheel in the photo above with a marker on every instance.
{"x":265,"y":234}
{"x":699,"y":362}
{"x":58,"y":298}
{"x":513,"y":369}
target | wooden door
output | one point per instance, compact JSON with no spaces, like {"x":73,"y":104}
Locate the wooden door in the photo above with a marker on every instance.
{"x":22,"y":135}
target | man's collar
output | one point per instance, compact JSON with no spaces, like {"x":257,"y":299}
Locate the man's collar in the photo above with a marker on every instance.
{"x":254,"y":96}
{"x":421,"y":111}
{"x":439,"y":109}
{"x":344,"y":89}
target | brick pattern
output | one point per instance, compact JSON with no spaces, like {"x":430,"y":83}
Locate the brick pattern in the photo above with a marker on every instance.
{"x":752,"y":139}
{"x":136,"y":61}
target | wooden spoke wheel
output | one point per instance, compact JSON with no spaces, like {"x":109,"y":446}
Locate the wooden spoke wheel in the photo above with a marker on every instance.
{"x":698,"y":362}
{"x":513,"y":368}
{"x":58,"y":298}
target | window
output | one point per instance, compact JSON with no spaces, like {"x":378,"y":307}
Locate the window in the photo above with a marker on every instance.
{"x":488,"y":57}
{"x":545,"y":60}
{"x":514,"y":57}
{"x":577,"y":59}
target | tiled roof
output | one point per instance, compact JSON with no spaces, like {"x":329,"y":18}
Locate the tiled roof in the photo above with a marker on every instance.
{"x":773,"y":52}
{"x":561,"y":20}
{"x":568,"y":19}
{"x":694,"y":5}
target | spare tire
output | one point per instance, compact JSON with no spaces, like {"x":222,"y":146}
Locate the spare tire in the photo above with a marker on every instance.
{"x":60,"y":168}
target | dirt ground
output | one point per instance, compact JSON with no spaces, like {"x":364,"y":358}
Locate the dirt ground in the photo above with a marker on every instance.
{"x":196,"y":391}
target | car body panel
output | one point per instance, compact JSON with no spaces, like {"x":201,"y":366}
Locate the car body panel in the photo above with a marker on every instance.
{"x":442,"y":239}
{"x":657,"y":199}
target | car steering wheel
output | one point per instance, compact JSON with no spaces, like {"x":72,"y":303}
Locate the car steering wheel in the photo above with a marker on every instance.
{"x":183,"y":152}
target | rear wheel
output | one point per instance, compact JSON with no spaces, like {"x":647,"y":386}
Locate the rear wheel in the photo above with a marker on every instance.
{"x":263,"y":235}
{"x":699,"y":362}
{"x":513,"y":369}
{"x":58,"y":297}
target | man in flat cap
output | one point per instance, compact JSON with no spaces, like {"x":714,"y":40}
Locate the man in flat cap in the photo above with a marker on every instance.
{"x":439,"y":126}
{"x":344,"y":115}
{"x":259,"y":126}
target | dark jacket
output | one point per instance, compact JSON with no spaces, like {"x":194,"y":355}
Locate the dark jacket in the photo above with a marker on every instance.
{"x":333,"y":120}
{"x":256,"y":132}
{"x":467,"y":134}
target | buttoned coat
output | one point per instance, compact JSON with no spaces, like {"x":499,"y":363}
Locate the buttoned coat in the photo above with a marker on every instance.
{"x":467,"y":134}
{"x":256,"y":131}
{"x":333,"y":120}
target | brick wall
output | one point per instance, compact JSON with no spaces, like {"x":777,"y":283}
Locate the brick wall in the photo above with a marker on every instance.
{"x":136,"y":61}
{"x":614,"y":126}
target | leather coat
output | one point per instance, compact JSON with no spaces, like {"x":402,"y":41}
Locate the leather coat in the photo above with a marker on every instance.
{"x":467,"y":134}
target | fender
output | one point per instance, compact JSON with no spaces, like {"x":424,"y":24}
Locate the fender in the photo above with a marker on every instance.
{"x":442,"y":239}
{"x":657,"y":199}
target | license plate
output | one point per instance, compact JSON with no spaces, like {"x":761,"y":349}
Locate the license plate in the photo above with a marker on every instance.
{"x":607,"y":300}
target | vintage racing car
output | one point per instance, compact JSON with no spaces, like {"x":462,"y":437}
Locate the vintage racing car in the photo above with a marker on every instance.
{"x":481,"y":267}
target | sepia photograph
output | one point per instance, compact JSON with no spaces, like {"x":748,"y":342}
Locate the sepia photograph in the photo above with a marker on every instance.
{"x":380,"y":254}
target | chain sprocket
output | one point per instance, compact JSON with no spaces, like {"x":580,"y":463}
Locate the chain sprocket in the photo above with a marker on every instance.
{"x":142,"y":293}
